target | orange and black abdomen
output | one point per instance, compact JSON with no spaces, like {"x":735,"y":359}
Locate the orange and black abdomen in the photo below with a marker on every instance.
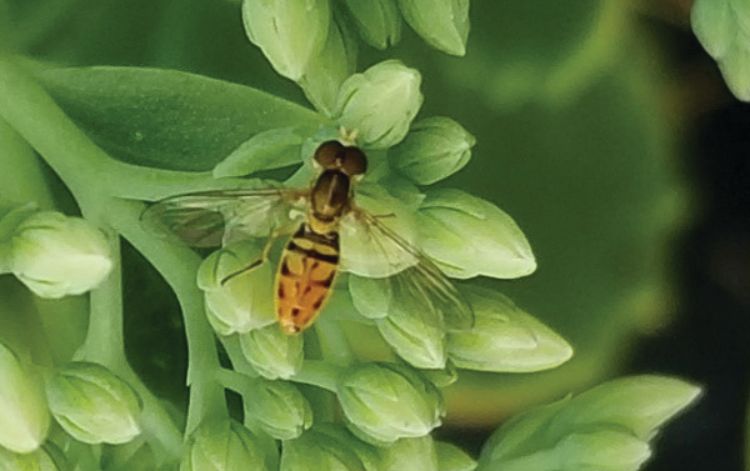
{"x":305,"y":277}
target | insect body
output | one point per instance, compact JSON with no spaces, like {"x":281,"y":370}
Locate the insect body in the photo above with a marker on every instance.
{"x":310,"y":259}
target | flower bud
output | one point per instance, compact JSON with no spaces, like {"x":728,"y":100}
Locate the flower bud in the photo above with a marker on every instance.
{"x":224,"y":445}
{"x":452,"y":458}
{"x":289,"y":32}
{"x":327,"y":71}
{"x":606,"y":428}
{"x":55,"y":255}
{"x":416,"y":334}
{"x":24,"y":418}
{"x":434,"y":149}
{"x":504,"y":338}
{"x":43,"y":459}
{"x":272,"y":353}
{"x":444,"y":24}
{"x":371,"y":296}
{"x":385,"y":401}
{"x":11,"y":216}
{"x":380,"y":104}
{"x":243,"y":302}
{"x":410,"y":453}
{"x":93,"y":405}
{"x":327,"y":447}
{"x":278,"y":408}
{"x":378,"y":21}
{"x":468,"y":236}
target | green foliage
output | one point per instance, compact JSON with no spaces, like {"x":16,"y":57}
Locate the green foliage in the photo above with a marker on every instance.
{"x":120,"y":136}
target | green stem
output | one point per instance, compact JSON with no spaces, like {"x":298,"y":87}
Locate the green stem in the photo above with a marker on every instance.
{"x":318,"y":373}
{"x":92,"y":175}
{"x":236,"y":357}
{"x":234,"y":380}
{"x":178,"y":265}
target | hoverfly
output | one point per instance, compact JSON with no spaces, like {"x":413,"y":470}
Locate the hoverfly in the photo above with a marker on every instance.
{"x":310,"y":259}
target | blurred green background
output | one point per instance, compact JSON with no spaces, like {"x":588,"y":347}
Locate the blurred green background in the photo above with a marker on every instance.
{"x":586,"y":115}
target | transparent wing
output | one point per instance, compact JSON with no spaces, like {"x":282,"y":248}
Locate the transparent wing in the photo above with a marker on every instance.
{"x":420,"y":285}
{"x":214,"y":218}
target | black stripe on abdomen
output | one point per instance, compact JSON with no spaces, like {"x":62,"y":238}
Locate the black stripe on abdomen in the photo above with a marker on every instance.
{"x":314,"y":254}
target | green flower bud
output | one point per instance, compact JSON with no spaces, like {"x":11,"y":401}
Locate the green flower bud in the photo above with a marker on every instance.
{"x":371,"y":296}
{"x":504,"y":338}
{"x":93,"y":405}
{"x":44,"y":459}
{"x":329,"y":69}
{"x":24,"y":418}
{"x":272,"y":353}
{"x":606,"y":428}
{"x":364,"y":250}
{"x":242,"y":303}
{"x":435,"y":149}
{"x":452,"y":458}
{"x":723,"y":28}
{"x":224,"y":445}
{"x":289,"y":32}
{"x":327,"y":447}
{"x":410,"y":453}
{"x":55,"y":255}
{"x":442,"y":378}
{"x":416,"y":334}
{"x":444,"y":24}
{"x":10,"y":217}
{"x":378,"y":21}
{"x":468,"y":237}
{"x":384,"y":402}
{"x":279,"y":408}
{"x":380,"y":104}
{"x":266,"y":150}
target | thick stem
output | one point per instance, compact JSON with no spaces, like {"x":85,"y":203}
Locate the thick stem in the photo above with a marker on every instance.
{"x":318,"y":373}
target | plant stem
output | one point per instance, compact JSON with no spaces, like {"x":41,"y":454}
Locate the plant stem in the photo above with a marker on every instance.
{"x":318,"y":373}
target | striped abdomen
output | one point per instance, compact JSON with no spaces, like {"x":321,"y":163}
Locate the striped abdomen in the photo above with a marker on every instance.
{"x":306,"y":274}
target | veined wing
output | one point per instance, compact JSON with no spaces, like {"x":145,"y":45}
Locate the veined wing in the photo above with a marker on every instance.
{"x":421,"y":284}
{"x":214,"y":218}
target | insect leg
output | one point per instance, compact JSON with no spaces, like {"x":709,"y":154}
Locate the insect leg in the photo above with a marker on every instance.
{"x":256,"y":263}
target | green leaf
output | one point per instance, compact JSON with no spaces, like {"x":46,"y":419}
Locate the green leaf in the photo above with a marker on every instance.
{"x":605,"y":428}
{"x":266,"y":150}
{"x":168,"y":119}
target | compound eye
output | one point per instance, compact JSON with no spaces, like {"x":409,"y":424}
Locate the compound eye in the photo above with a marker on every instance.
{"x":328,"y":153}
{"x":355,"y":162}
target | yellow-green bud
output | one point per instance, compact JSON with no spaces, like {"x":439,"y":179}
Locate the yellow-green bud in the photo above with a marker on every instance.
{"x":435,"y":149}
{"x":504,"y":338}
{"x":410,"y":453}
{"x":468,"y":236}
{"x":444,"y":24}
{"x":385,"y":401}
{"x":244,"y":302}
{"x":452,"y":458}
{"x":378,"y":21}
{"x":93,"y":404}
{"x":224,"y":445}
{"x":289,"y":32}
{"x":272,"y":353}
{"x":44,"y":459}
{"x":380,"y":104}
{"x":416,"y":334}
{"x":330,"y":448}
{"x":278,"y":408}
{"x":24,"y":418}
{"x":55,"y":255}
